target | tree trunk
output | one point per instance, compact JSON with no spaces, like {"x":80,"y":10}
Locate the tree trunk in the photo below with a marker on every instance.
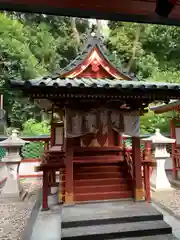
{"x":75,"y":33}
{"x":134,"y":49}
{"x":98,"y":23}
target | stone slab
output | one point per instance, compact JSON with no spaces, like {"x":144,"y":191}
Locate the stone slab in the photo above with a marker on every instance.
{"x":48,"y":224}
{"x":107,"y":210}
{"x":26,"y":235}
{"x":118,"y":230}
{"x":161,"y":237}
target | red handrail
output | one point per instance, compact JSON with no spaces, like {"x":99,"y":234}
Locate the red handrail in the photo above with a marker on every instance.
{"x":176,"y":164}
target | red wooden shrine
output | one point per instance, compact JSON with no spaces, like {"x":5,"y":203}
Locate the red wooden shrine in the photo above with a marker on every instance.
{"x":93,"y":103}
{"x":122,"y":10}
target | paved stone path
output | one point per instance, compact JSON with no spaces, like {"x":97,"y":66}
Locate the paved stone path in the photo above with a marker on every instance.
{"x":48,"y":225}
{"x":171,"y":220}
{"x":13,"y":217}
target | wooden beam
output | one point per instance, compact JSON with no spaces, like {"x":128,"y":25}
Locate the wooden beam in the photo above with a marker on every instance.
{"x":45,"y":189}
{"x":69,"y":192}
{"x":121,"y":10}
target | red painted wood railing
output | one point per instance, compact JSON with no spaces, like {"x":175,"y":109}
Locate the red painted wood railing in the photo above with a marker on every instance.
{"x":147,"y":166}
{"x":129,"y":161}
{"x":176,"y":164}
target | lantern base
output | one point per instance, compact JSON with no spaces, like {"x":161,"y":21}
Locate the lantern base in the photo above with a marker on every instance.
{"x":11,"y":188}
{"x":159,"y":180}
{"x":12,"y":185}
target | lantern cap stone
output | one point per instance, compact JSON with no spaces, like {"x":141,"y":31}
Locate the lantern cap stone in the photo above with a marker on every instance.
{"x":159,"y":138}
{"x":13,"y":141}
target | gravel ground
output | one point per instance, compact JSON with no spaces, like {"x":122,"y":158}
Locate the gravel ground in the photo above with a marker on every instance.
{"x":169,"y":199}
{"x":14,"y":213}
{"x":13,"y":217}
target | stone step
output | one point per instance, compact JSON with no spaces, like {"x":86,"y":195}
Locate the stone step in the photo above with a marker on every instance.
{"x":108,"y":212}
{"x":118,"y":230}
{"x":160,"y":237}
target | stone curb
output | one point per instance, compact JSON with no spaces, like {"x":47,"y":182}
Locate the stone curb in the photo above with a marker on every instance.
{"x":175,"y":183}
{"x":163,"y":207}
{"x":26,"y":234}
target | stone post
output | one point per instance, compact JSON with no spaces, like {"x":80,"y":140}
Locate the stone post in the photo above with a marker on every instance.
{"x":159,"y":180}
{"x":12,"y":161}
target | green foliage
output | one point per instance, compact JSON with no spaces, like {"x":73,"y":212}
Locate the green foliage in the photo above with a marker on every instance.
{"x":32,"y":45}
{"x":156,"y":58}
{"x":166,"y":76}
{"x":32,"y":150}
{"x":2,"y":153}
{"x":34,"y":128}
{"x":121,"y":40}
{"x":157,"y":49}
{"x":150,"y":121}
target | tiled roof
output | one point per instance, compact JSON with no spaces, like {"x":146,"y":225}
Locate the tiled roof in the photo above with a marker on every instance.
{"x":95,"y":83}
{"x":173,"y":105}
{"x":92,"y":42}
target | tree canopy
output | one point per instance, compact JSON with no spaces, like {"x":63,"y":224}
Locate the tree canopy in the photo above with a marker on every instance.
{"x":33,"y":45}
{"x":152,"y":52}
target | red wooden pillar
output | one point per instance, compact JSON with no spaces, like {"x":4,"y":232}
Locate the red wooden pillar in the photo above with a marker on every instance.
{"x":46,"y":145}
{"x":45,"y":191}
{"x":147,"y":155}
{"x":120,"y":138}
{"x":69,"y":191}
{"x":147,"y":187}
{"x":147,"y":147}
{"x":138,"y":183}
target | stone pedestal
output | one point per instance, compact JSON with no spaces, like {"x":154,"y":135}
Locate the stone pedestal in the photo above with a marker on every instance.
{"x":159,"y":180}
{"x":12,"y":183}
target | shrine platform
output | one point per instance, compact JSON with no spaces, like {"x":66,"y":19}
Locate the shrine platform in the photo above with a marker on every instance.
{"x":115,"y":220}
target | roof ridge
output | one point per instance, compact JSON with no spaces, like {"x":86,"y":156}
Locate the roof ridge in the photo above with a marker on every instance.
{"x":93,"y":40}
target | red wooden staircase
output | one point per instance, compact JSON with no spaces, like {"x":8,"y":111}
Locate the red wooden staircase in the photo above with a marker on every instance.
{"x":94,"y":182}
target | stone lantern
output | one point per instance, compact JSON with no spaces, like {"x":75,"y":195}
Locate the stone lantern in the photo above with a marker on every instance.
{"x":159,"y":180}
{"x":12,"y":160}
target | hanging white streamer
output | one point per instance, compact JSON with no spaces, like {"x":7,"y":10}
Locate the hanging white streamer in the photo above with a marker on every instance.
{"x":73,"y":118}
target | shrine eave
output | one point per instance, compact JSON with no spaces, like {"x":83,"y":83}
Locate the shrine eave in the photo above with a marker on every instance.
{"x":95,"y":83}
{"x":99,"y":87}
{"x":172,"y":106}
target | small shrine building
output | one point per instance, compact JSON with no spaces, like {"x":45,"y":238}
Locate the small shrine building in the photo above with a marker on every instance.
{"x":93,"y":103}
{"x":173,"y":106}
